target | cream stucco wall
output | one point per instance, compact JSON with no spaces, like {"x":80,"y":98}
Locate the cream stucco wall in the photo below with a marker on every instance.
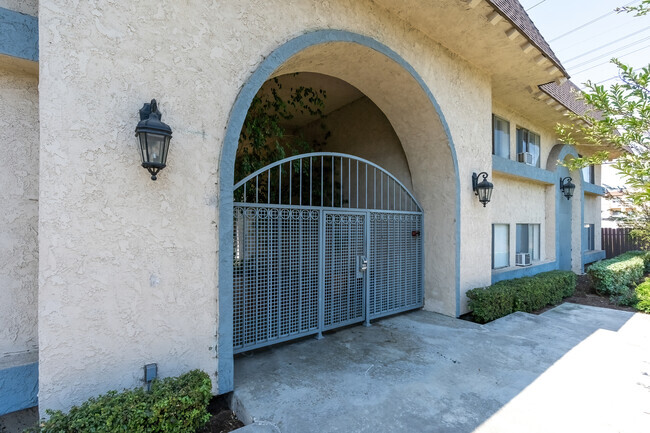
{"x":18,"y":216}
{"x":128,"y":271}
{"x":361,"y":129}
{"x":29,"y":7}
{"x":520,"y":202}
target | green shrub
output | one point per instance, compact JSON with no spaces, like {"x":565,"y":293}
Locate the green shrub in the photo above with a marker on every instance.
{"x":643,"y":296}
{"x":174,"y":405}
{"x":616,"y":275}
{"x":521,"y":294}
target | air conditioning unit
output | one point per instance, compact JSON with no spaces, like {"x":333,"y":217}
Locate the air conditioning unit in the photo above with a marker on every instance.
{"x":522,"y":259}
{"x":525,"y":157}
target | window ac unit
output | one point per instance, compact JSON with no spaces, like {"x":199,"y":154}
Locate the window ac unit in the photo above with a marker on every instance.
{"x":525,"y":157}
{"x":522,"y":259}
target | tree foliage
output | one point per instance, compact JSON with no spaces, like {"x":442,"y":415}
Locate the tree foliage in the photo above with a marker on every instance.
{"x":265,"y":138}
{"x":618,"y":123}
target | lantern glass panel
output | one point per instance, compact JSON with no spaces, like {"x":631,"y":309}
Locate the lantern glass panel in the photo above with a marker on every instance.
{"x":156,"y":147}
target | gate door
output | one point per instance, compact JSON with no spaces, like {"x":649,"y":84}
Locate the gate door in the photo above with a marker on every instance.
{"x":322,"y":240}
{"x":344,"y":270}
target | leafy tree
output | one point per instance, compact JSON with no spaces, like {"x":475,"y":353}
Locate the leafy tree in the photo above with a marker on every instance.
{"x":618,"y":123}
{"x":264,"y":137}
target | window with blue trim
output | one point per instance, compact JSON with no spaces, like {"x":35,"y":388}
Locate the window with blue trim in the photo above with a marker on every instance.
{"x":500,"y":137}
{"x":528,"y":147}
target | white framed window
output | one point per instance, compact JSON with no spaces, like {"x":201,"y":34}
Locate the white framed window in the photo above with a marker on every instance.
{"x":527,"y":240}
{"x":500,"y":246}
{"x":528,"y":143}
{"x":500,"y":137}
{"x":590,"y":237}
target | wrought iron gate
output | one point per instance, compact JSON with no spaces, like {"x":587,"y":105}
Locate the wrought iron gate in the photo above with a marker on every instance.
{"x":322,"y":240}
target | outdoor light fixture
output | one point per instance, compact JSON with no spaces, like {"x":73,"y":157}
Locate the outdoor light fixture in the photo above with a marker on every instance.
{"x":154,"y":137}
{"x":567,"y":187}
{"x":482,"y":189}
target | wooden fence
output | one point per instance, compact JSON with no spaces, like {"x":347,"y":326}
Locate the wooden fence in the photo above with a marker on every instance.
{"x":618,"y":241}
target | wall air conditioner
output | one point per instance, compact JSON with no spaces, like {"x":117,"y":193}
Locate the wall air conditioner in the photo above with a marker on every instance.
{"x":522,"y":259}
{"x":525,"y":157}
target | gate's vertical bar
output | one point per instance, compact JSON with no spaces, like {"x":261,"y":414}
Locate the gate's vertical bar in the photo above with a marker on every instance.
{"x":341,"y":182}
{"x":366,"y":276}
{"x":321,"y":272}
{"x":290,"y":182}
{"x":300,"y":174}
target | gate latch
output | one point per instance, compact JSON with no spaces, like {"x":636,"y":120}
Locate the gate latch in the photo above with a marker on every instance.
{"x":362,"y":266}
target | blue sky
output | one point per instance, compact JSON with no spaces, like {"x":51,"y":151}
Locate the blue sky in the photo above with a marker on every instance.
{"x":586,"y":52}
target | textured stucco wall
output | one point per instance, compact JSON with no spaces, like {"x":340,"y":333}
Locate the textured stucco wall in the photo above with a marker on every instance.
{"x":18,"y":213}
{"x":361,"y":129}
{"x":29,"y":7}
{"x":129,"y":266}
{"x":547,"y":135}
{"x":517,"y":201}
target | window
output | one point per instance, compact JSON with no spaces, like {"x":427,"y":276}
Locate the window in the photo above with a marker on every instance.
{"x":528,"y":142}
{"x":528,"y":240}
{"x":500,"y":246}
{"x":590,"y":241}
{"x":500,"y":137}
{"x":588,"y":174}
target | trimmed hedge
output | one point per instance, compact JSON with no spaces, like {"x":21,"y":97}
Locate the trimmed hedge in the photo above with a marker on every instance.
{"x":643,"y":296}
{"x":614,"y":276}
{"x":521,"y":294}
{"x":174,"y":405}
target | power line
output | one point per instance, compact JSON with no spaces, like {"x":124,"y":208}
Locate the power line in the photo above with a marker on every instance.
{"x":604,"y":63}
{"x":582,"y":41}
{"x":612,"y":78}
{"x":535,"y":5}
{"x":607,"y":44}
{"x":590,"y":22}
{"x":607,"y":54}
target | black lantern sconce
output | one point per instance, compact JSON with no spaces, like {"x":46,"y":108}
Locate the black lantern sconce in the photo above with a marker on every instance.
{"x":482,"y":189}
{"x":567,"y":187}
{"x":154,"y":137}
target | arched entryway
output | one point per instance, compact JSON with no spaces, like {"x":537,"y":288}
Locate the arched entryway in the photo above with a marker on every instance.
{"x":401,"y":94}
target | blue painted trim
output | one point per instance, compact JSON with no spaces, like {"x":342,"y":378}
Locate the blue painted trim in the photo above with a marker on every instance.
{"x":18,"y":388}
{"x":524,"y":171}
{"x":18,"y":35}
{"x":590,"y":188}
{"x":227,"y":164}
{"x":593,"y":256}
{"x":522,"y":271}
{"x":558,"y":153}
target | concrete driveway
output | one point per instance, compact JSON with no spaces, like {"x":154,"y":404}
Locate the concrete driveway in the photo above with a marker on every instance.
{"x":572,"y":369}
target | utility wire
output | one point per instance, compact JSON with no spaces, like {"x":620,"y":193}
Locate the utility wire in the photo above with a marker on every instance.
{"x":590,"y":22}
{"x":606,"y":45}
{"x":607,"y":54}
{"x":612,"y":78}
{"x":582,"y":41}
{"x":604,"y":63}
{"x":535,"y":5}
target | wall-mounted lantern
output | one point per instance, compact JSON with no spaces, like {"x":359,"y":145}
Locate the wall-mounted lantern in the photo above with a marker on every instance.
{"x":154,"y":137}
{"x":567,"y":187}
{"x":482,"y":189}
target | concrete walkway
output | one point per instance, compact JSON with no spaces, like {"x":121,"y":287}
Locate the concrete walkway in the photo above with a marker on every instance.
{"x":572,"y":369}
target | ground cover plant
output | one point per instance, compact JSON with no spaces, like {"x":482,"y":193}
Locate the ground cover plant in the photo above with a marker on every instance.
{"x":173,"y":405}
{"x":526,"y":294}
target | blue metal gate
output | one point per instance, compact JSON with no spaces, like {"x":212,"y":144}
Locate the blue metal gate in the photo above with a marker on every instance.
{"x":322,"y":240}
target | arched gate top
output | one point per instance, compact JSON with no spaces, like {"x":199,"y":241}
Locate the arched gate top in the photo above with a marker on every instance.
{"x":326,"y":180}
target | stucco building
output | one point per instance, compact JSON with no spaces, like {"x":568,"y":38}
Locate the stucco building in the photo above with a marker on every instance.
{"x":103,"y":271}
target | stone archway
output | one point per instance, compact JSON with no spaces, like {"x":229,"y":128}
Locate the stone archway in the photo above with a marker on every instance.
{"x":399,"y":91}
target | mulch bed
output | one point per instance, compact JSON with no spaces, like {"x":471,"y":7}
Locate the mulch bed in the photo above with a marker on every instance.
{"x":585,"y":294}
{"x":223,"y":420}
